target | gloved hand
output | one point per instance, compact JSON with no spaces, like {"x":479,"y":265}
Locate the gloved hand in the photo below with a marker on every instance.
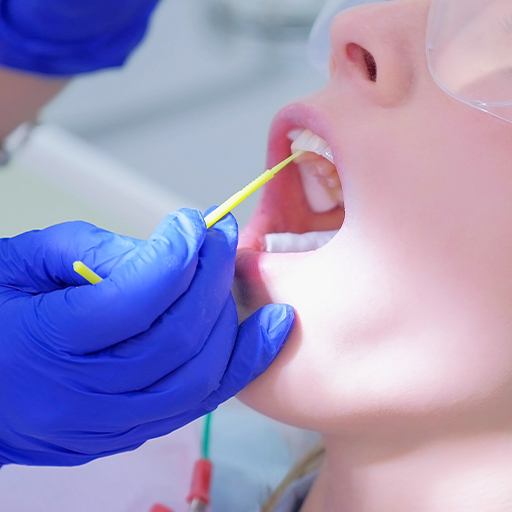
{"x":67,"y":37}
{"x":91,"y":370}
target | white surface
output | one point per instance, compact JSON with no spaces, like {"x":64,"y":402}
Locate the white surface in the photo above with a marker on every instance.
{"x":192,"y":108}
{"x":130,"y":482}
{"x":58,"y":177}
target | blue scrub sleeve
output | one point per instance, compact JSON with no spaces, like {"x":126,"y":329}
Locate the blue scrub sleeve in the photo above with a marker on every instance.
{"x":69,"y":37}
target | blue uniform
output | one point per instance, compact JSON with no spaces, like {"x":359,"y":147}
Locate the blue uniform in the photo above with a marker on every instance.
{"x":69,"y":37}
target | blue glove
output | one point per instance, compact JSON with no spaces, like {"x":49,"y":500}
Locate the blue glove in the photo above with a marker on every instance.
{"x":67,"y":37}
{"x":88,"y":371}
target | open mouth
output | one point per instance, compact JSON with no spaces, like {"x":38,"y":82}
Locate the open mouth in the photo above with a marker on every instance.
{"x":303,"y":208}
{"x":322,"y":192}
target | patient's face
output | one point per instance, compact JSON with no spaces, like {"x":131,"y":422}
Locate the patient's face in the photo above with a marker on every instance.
{"x":406,"y":314}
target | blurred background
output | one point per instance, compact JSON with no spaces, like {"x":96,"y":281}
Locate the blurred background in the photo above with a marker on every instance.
{"x":191,"y":110}
{"x":185,"y":123}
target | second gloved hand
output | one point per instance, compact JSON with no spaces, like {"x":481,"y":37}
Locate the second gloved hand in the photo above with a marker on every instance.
{"x":67,"y":37}
{"x":87,"y":371}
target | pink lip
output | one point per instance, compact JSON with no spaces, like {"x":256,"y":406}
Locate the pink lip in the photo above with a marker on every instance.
{"x":296,"y":115}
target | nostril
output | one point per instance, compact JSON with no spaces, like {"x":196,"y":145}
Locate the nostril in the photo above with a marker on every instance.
{"x":371,"y":65}
{"x":363,"y":59}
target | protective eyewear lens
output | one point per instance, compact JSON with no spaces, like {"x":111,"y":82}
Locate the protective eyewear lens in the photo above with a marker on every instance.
{"x":469,"y":52}
{"x":468,"y":48}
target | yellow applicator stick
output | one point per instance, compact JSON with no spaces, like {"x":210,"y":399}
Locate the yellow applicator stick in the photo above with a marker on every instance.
{"x":212,"y":218}
{"x":239,"y":197}
{"x":89,"y":275}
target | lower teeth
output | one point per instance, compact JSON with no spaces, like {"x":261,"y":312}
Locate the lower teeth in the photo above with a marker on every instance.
{"x":293,"y":242}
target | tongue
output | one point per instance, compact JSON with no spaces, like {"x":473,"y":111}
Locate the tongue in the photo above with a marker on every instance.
{"x":292,"y":242}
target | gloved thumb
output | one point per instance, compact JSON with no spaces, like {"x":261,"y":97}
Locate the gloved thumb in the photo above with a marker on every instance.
{"x":260,"y":339}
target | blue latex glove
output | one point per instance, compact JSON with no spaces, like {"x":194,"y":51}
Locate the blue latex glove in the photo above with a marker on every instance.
{"x":67,"y":37}
{"x":88,"y":371}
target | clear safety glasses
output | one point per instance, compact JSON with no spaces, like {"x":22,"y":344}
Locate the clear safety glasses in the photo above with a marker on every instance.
{"x":468,"y":47}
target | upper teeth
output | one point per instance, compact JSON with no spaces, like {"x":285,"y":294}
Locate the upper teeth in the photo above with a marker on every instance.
{"x":305,"y":140}
{"x":320,"y":180}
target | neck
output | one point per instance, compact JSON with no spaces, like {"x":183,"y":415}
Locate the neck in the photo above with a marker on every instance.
{"x":465,"y":474}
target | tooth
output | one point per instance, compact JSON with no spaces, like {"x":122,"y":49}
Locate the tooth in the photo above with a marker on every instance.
{"x":308,"y":141}
{"x":339,"y":197}
{"x":294,"y":134}
{"x":321,"y":198}
{"x":320,"y":181}
{"x":292,"y":242}
{"x":328,"y":154}
{"x":326,"y":169}
{"x":333,"y":182}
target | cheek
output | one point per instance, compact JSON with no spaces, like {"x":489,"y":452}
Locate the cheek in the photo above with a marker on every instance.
{"x":369,"y":348}
{"x":328,"y":385}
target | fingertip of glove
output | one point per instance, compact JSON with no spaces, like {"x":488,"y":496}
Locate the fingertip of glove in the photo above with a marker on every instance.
{"x":189,"y":222}
{"x":191,"y":218}
{"x":228,"y":222}
{"x":228,"y":226}
{"x":280,"y":322}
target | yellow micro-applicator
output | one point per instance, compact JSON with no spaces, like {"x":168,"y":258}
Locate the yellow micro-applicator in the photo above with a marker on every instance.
{"x":239,"y":197}
{"x":89,"y":275}
{"x":212,"y":218}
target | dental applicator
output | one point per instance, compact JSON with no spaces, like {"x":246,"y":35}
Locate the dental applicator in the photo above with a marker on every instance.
{"x":212,"y":218}
{"x":240,"y":196}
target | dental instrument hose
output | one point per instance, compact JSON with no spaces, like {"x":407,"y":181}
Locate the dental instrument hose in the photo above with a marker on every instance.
{"x":199,"y":495}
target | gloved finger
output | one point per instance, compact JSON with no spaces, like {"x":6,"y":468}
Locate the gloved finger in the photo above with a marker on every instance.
{"x":259,"y":340}
{"x":84,"y":443}
{"x":68,"y":37}
{"x":180,"y":333}
{"x":179,"y":391}
{"x":101,"y":444}
{"x":54,"y":457}
{"x":42,"y":261}
{"x":90,"y":318}
{"x":74,"y":20}
{"x":77,"y":448}
{"x":112,"y":443}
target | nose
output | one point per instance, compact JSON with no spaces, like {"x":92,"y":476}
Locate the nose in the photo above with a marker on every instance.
{"x":379,"y":49}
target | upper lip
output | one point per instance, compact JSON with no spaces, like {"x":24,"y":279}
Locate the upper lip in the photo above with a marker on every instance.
{"x":288,"y":213}
{"x":296,"y":115}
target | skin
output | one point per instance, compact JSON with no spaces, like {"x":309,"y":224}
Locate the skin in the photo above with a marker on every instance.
{"x":22,"y":95}
{"x":402,"y":353}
